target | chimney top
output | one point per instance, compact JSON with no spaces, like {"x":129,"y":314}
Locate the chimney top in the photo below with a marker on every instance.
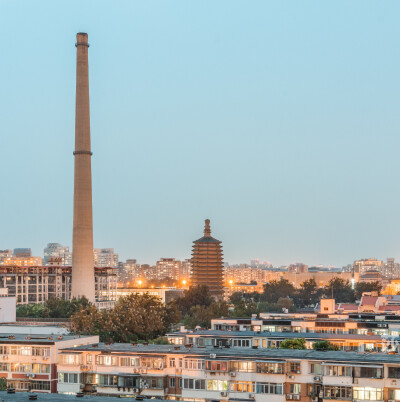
{"x":82,"y":39}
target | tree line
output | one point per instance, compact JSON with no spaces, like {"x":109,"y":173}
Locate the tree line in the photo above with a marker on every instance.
{"x":279,"y":295}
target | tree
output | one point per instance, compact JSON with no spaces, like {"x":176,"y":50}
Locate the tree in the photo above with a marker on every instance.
{"x":340,"y":290}
{"x":202,"y":315}
{"x":194,"y":296}
{"x":3,"y":384}
{"x":53,"y":308}
{"x":276,"y":289}
{"x":133,"y":317}
{"x":297,"y":343}
{"x":308,"y":294}
{"x":87,"y":321}
{"x":236,"y":297}
{"x":362,"y":287}
{"x":324,"y":345}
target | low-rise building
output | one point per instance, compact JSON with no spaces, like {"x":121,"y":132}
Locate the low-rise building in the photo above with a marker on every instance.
{"x":205,"y":374}
{"x":29,"y":362}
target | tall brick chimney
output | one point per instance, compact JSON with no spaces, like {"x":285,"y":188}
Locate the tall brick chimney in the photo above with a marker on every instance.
{"x":82,"y":243}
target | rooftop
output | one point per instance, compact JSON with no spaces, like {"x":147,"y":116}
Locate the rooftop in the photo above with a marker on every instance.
{"x":37,"y":338}
{"x":237,"y":353}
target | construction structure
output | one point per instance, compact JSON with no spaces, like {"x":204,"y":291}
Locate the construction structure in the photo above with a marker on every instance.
{"x":207,"y":263}
{"x":83,"y":282}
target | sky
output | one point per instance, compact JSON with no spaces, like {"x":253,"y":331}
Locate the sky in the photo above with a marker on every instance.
{"x":279,"y":121}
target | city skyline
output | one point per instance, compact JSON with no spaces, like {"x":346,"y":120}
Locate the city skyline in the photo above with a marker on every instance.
{"x":288,"y":145}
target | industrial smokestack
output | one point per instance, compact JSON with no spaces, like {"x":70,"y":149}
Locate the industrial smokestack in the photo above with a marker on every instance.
{"x":82,"y":242}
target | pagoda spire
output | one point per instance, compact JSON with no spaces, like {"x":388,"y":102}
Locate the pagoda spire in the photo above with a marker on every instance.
{"x":207,"y":228}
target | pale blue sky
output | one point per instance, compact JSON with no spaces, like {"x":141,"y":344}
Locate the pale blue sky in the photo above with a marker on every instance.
{"x":279,"y":121}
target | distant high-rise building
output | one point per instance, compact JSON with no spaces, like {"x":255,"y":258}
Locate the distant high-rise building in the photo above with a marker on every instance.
{"x":207,"y":263}
{"x":22,"y":252}
{"x":168,"y":268}
{"x":105,"y":257}
{"x":186,"y":269}
{"x":56,"y":250}
{"x":5,"y":254}
{"x":391,"y":269}
{"x":129,"y":271}
{"x":23,"y":261}
{"x":367,"y":264}
{"x":298,"y":268}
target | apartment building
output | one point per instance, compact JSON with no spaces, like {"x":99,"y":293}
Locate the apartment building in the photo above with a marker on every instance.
{"x":273,"y":340}
{"x":192,"y":373}
{"x":29,"y":362}
{"x":36,"y":284}
{"x":361,"y":324}
{"x":105,"y":257}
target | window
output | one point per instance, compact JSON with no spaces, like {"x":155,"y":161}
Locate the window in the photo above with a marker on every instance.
{"x":295,"y":389}
{"x":72,"y":378}
{"x":269,"y":388}
{"x":21,"y":367}
{"x":4,"y":367}
{"x":368,"y":394}
{"x":316,"y":368}
{"x":154,"y":382}
{"x":40,"y":368}
{"x":270,"y":368}
{"x":367,"y":372}
{"x":243,"y":366}
{"x":108,"y":380}
{"x":194,"y":364}
{"x":217,"y":385}
{"x":107,"y":360}
{"x":192,"y":383}
{"x":70,"y":359}
{"x":89,"y":358}
{"x":217,"y":365}
{"x":125,"y":361}
{"x":294,"y":368}
{"x":41,"y":385}
{"x":335,"y":392}
{"x":152,"y":363}
{"x":242,"y":386}
{"x":172,"y":382}
{"x":241,"y":343}
{"x":172,"y":362}
{"x":394,"y":372}
{"x":338,"y":371}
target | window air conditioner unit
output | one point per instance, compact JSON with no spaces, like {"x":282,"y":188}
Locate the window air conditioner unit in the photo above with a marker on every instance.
{"x":224,"y":394}
{"x":296,"y":397}
{"x":252,"y":396}
{"x":232,"y":373}
{"x":291,"y":377}
{"x":289,"y":396}
{"x":213,"y":356}
{"x":317,"y":378}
